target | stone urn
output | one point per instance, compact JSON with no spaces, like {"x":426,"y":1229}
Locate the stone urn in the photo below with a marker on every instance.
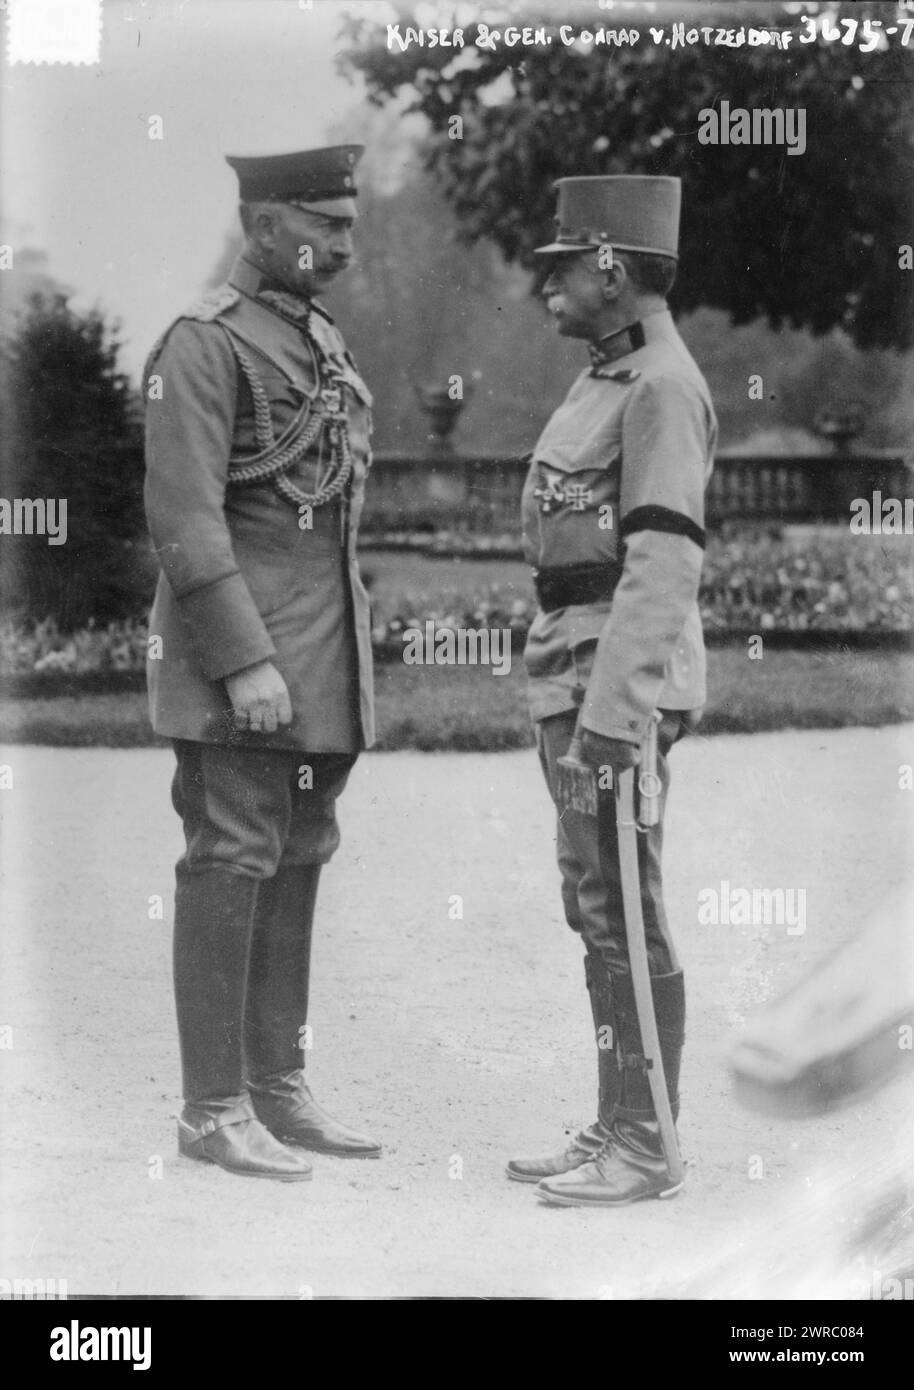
{"x":442,"y":411}
{"x":840,"y":424}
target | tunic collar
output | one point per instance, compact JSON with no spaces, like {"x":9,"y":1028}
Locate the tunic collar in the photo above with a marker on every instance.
{"x":254,"y":282}
{"x":629,"y":339}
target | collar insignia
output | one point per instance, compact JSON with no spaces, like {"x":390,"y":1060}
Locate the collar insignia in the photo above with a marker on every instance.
{"x":290,"y":306}
{"x":615,"y":345}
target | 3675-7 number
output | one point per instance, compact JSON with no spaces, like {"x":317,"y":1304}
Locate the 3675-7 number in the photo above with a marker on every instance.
{"x":868,"y":39}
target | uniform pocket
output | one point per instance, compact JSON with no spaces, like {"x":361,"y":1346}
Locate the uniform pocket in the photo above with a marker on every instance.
{"x":576,"y":514}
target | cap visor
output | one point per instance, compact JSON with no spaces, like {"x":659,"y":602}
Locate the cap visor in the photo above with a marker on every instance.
{"x":555,"y":247}
{"x":329,"y":207}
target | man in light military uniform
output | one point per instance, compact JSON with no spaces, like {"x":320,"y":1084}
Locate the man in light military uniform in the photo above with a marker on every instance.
{"x":613,"y":520}
{"x":257,"y":447}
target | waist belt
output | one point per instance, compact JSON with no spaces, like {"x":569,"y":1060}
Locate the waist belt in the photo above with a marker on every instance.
{"x":564,"y":586}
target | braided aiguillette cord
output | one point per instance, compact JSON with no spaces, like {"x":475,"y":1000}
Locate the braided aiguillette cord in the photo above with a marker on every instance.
{"x":274,"y":467}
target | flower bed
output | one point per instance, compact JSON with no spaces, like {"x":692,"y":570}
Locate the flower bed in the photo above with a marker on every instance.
{"x":813,"y":580}
{"x":42,"y":649}
{"x":755,"y":580}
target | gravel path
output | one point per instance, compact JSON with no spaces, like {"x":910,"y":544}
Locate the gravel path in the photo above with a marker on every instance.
{"x":458,"y":1042}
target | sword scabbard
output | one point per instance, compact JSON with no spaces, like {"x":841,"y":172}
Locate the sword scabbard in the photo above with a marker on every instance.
{"x":641,"y":979}
{"x":649,"y":785}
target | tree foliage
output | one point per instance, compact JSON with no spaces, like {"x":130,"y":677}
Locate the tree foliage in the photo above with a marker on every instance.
{"x":72,"y":431}
{"x":809,"y":239}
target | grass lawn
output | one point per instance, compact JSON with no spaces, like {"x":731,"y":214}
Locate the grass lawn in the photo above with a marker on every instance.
{"x":453,"y":707}
{"x":391,"y":573}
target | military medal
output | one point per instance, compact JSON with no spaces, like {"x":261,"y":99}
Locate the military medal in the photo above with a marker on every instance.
{"x":575,"y":495}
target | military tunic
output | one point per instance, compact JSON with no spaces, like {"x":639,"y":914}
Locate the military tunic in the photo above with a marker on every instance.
{"x":619,"y":475}
{"x":245,"y":576}
{"x":617,"y":480}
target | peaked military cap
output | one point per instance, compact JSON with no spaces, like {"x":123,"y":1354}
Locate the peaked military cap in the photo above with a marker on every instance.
{"x":631,"y":212}
{"x":309,"y":178}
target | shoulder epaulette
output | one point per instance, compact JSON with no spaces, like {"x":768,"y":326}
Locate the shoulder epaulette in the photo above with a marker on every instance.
{"x":212,"y":304}
{"x":207,"y":308}
{"x":624,"y":376}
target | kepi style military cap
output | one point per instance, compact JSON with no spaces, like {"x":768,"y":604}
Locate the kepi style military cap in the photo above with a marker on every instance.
{"x":630,"y":212}
{"x":322,"y":180}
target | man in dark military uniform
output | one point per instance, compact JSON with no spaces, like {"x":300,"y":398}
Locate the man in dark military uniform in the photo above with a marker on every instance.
{"x":613,"y":525}
{"x":257,"y":447}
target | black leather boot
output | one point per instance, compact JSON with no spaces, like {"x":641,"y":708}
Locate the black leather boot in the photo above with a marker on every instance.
{"x":277,"y":1011}
{"x":229,"y":1134}
{"x":588,"y":1142}
{"x":632,"y":1166}
{"x":600,"y":988}
{"x":214,"y":912}
{"x":284,"y":1103}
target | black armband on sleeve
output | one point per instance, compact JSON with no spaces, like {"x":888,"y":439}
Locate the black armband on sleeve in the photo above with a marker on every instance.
{"x":662,"y":519}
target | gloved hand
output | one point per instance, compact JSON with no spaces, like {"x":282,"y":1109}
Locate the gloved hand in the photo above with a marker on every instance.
{"x":616,"y":753}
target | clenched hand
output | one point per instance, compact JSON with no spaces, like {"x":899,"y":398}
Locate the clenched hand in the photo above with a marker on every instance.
{"x":260,"y":698}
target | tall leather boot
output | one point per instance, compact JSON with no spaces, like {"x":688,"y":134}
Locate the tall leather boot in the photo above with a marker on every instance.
{"x":214,"y":912}
{"x":632,"y":1166}
{"x":277,"y":1011}
{"x":279,"y":975}
{"x":588,"y":1142}
{"x":599,"y":986}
